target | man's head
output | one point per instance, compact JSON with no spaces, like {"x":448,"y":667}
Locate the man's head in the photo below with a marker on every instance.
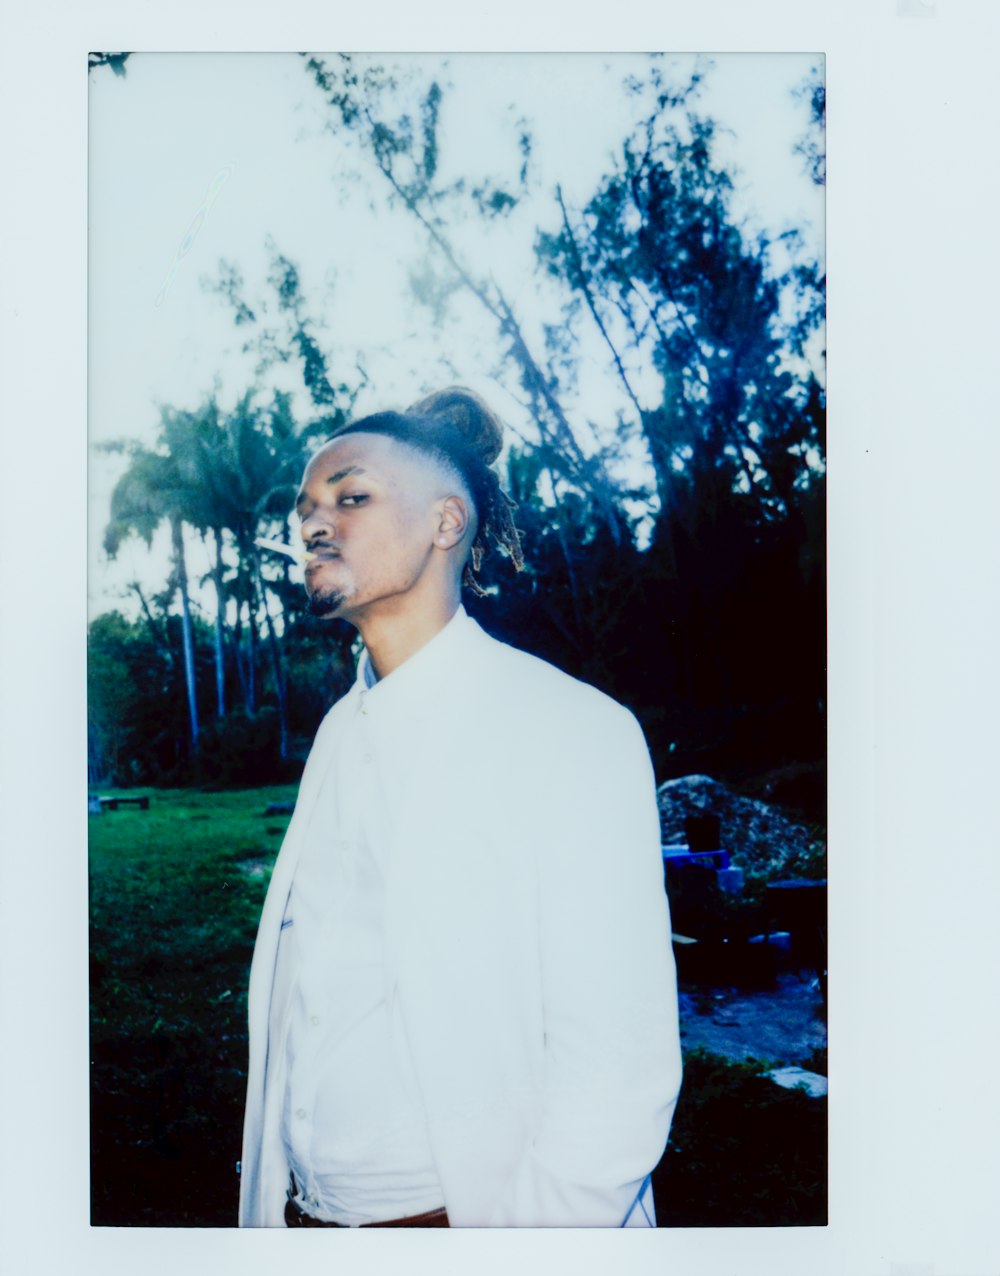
{"x":397,"y":506}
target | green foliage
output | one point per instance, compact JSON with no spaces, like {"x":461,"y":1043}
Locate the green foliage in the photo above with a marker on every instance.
{"x":319,"y":668}
{"x":136,"y":720}
{"x":491,"y":201}
{"x":661,"y":262}
{"x":293,"y":338}
{"x":135,"y":702}
{"x":233,"y":475}
{"x":242,"y":749}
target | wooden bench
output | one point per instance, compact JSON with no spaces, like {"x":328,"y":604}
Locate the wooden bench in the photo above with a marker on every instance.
{"x":113,"y":803}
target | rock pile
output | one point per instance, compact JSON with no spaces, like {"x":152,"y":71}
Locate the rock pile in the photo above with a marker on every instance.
{"x":760,"y":838}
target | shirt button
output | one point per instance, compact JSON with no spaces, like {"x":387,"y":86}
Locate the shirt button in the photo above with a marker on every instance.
{"x":301,"y":1113}
{"x":344,"y":843}
{"x":315,"y":1021}
{"x":369,"y":757}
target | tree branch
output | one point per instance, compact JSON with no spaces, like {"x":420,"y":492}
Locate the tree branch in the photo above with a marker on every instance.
{"x":584,"y":287}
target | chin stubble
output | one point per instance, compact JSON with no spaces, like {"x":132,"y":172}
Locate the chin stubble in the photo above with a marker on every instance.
{"x":324,"y":603}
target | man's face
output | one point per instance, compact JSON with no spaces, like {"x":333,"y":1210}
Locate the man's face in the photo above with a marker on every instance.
{"x":368,"y":512}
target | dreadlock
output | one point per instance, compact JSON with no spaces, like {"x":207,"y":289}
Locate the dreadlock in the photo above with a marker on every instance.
{"x":457,"y":429}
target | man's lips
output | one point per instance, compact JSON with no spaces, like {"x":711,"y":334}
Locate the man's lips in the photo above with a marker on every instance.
{"x":321,"y":554}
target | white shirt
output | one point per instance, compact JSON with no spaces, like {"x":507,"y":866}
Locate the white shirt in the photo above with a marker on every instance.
{"x":526,"y":943}
{"x":353,"y":1122}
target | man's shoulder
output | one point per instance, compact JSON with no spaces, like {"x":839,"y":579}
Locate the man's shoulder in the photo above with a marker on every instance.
{"x":534,"y":688}
{"x":551,"y":732}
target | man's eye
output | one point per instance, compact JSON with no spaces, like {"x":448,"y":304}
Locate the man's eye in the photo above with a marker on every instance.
{"x":355,"y":498}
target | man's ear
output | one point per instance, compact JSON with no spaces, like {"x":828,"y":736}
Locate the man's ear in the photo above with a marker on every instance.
{"x":452,"y":521}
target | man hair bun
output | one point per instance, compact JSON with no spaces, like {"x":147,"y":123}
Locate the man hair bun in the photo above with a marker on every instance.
{"x":466,"y":412}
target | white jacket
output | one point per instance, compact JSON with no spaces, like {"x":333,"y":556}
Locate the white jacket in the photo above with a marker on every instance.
{"x":529,"y":968}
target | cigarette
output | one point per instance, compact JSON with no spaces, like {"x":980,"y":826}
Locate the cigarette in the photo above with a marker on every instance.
{"x":293,"y":551}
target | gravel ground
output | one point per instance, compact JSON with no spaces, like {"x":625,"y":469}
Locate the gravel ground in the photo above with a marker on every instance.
{"x":785,"y":1024}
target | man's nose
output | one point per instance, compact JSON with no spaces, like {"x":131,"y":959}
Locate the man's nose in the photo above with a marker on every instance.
{"x":318,"y":524}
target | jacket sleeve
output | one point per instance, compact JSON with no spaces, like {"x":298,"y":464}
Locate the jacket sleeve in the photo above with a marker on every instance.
{"x":612,"y":1048}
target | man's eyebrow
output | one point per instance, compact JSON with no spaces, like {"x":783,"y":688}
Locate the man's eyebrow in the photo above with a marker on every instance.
{"x":342,"y":474}
{"x":301,"y":496}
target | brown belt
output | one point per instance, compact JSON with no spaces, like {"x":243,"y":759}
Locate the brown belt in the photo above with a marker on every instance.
{"x":295,"y":1216}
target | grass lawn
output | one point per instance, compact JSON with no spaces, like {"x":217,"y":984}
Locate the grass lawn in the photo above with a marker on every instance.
{"x":176,"y":893}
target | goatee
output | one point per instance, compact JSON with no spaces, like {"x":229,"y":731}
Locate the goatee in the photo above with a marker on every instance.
{"x":324,"y":603}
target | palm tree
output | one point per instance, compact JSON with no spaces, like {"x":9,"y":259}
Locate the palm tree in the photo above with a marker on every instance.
{"x":250,"y":462}
{"x":233,"y":475}
{"x":151,"y":490}
{"x":192,"y":436}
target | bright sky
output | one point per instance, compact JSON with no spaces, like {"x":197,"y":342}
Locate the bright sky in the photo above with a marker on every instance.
{"x":244,"y":138}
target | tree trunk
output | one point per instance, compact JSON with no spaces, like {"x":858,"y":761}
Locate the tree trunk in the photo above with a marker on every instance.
{"x":97,"y":767}
{"x":158,"y":633}
{"x":247,"y":598}
{"x":220,"y":622}
{"x":276,"y":664}
{"x":251,"y":655}
{"x":239,"y":659}
{"x":177,"y":535}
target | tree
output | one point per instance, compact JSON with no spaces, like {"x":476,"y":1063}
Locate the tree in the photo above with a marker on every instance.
{"x":136,"y":721}
{"x":293,"y":337}
{"x":250,"y":463}
{"x":674,"y":546}
{"x":660,"y":261}
{"x":156,"y":487}
{"x":711,"y":331}
{"x":233,"y":476}
{"x":671,"y":281}
{"x":407,"y":158}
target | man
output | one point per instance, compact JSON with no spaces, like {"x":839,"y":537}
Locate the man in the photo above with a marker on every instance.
{"x":462,"y":1001}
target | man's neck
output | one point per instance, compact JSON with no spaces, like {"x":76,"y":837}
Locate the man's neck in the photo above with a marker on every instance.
{"x":390,"y":640}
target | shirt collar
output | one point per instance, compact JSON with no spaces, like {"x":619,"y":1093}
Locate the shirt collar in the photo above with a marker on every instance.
{"x":418,"y":678}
